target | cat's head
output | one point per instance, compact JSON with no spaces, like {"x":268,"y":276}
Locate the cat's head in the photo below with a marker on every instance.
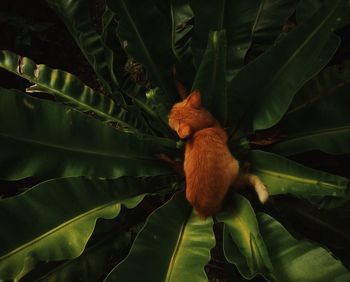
{"x":188,"y":116}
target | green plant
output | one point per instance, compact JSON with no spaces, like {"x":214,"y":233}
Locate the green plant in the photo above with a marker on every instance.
{"x":97,"y":147}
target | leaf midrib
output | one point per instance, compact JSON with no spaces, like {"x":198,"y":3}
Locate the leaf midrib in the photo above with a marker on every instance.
{"x":177,"y":248}
{"x":149,"y":58}
{"x":257,"y":19}
{"x":71,"y":98}
{"x":245,"y":231}
{"x":315,"y":133}
{"x":88,"y":107}
{"x":294,"y":178}
{"x":247,"y":236}
{"x":291,"y":58}
{"x":71,"y":149}
{"x":317,"y":98}
{"x":58,"y":228}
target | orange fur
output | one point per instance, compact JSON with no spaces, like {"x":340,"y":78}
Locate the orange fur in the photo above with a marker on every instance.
{"x":209,"y":166}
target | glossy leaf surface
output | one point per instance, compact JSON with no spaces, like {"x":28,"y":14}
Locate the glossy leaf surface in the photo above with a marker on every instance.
{"x":33,"y":131}
{"x":268,"y":25}
{"x":55,"y":219}
{"x":299,"y":260}
{"x":236,"y":17}
{"x":323,"y":125}
{"x":182,"y":24}
{"x":65,"y":86}
{"x":282,"y":176}
{"x":182,"y":17}
{"x":280,"y":72}
{"x":92,"y":264}
{"x":331,"y":81}
{"x":174,"y":245}
{"x":243,"y":244}
{"x":210,"y":77}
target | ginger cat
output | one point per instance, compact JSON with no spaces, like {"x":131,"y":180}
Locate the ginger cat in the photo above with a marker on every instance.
{"x":209,"y":167}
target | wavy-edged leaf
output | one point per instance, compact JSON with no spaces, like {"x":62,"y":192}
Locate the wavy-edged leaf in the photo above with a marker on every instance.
{"x":210,"y":77}
{"x":313,"y":89}
{"x":182,"y":23}
{"x":92,"y":264}
{"x":55,"y":219}
{"x":272,"y":15}
{"x":66,"y":87}
{"x":324,"y":125}
{"x":76,"y":16}
{"x":331,"y":81}
{"x":182,"y":27}
{"x":174,"y":245}
{"x":243,"y":244}
{"x":328,"y":52}
{"x":299,"y":260}
{"x":281,"y":71}
{"x":44,"y":139}
{"x":236,"y":17}
{"x":282,"y":176}
{"x":144,"y":33}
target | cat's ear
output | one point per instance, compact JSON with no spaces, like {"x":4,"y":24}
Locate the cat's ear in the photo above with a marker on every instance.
{"x":194,"y":100}
{"x":184,"y":130}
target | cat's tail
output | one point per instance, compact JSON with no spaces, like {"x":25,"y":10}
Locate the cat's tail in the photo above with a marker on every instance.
{"x":259,"y":187}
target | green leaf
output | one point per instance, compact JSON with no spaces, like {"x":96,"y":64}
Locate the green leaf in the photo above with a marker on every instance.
{"x":66,"y":87}
{"x":328,"y":52}
{"x":210,"y":77}
{"x":182,"y":23}
{"x":157,"y":106}
{"x":261,"y":104}
{"x":44,"y":139}
{"x":243,"y":244}
{"x":76,"y":16}
{"x":55,"y":219}
{"x":282,"y":176}
{"x":299,"y":260}
{"x":93,"y":263}
{"x":331,"y":81}
{"x":181,"y":15}
{"x":323,"y":125}
{"x":174,"y":245}
{"x":272,"y":15}
{"x":307,"y":8}
{"x":236,"y":17}
{"x":128,"y":83}
{"x":311,"y":221}
{"x":144,"y":33}
{"x":124,"y":70}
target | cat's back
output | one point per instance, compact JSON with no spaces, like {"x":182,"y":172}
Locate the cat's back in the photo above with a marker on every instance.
{"x":209,"y":169}
{"x":207,"y":143}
